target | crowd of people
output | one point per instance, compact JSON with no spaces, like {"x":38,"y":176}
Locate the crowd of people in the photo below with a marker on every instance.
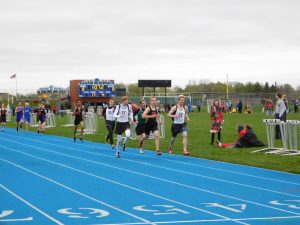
{"x":146,"y":119}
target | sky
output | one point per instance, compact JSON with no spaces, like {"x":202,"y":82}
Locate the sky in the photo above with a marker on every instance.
{"x":52,"y":42}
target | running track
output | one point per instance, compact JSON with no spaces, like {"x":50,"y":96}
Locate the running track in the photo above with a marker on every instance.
{"x":51,"y":180}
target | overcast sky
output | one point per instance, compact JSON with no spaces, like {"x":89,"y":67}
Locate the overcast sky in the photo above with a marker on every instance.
{"x":54,"y":41}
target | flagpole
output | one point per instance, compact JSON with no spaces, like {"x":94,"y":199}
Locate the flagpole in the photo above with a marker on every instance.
{"x":227,"y":88}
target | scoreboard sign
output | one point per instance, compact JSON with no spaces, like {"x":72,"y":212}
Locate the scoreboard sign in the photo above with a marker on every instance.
{"x":96,"y":88}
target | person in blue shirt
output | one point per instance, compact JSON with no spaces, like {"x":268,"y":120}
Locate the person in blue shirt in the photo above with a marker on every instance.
{"x":27,"y":113}
{"x":19,"y":115}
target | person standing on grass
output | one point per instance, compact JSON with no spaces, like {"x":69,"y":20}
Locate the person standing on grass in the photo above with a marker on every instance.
{"x":179,"y":115}
{"x":140,"y":124}
{"x":78,"y":113}
{"x":124,"y":115}
{"x":3,"y":112}
{"x":19,"y":116}
{"x":27,"y":113}
{"x":216,"y":120}
{"x":41,"y":118}
{"x":108,"y":114}
{"x":280,"y":110}
{"x":152,"y":119}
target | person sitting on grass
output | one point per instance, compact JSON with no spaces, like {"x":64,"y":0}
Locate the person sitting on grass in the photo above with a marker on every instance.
{"x":247,"y":138}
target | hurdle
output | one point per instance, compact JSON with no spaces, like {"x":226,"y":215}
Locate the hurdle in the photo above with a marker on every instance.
{"x":50,"y":120}
{"x":270,"y":129}
{"x":292,"y":126}
{"x":91,"y":123}
{"x":71,"y":119}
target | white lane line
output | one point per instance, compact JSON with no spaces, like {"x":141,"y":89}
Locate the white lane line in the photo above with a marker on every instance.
{"x":181,"y":171}
{"x":191,"y":164}
{"x":30,"y":205}
{"x":205,"y":221}
{"x":172,"y":182}
{"x":77,"y":192}
{"x":110,"y":181}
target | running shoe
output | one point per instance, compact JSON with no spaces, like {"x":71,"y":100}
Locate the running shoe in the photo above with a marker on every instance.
{"x":186,"y":153}
{"x":118,"y":154}
{"x":124,"y":147}
{"x":170,"y":151}
{"x":158,"y":152}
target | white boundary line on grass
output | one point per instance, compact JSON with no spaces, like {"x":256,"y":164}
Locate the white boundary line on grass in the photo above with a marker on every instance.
{"x":77,"y":192}
{"x":191,"y":164}
{"x":30,"y":205}
{"x":167,"y":168}
{"x":202,"y":190}
{"x":114,"y":182}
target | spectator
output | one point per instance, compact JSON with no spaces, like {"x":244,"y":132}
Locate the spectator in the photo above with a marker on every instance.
{"x":296,"y":102}
{"x":239,"y":106}
{"x":280,"y":109}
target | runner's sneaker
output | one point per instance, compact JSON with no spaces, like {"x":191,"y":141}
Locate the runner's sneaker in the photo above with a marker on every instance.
{"x":124,"y":147}
{"x":113,"y":146}
{"x":118,"y":154}
{"x":158,"y":152}
{"x":170,"y":151}
{"x":186,"y":153}
{"x":141,"y":151}
{"x":74,"y":138}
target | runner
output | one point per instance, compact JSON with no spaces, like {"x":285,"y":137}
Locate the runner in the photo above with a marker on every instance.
{"x":140,"y":124}
{"x":108,"y":114}
{"x":78,"y":113}
{"x":178,"y":113}
{"x":19,"y":115}
{"x":151,"y":125}
{"x":27,"y":112}
{"x":41,"y":118}
{"x":123,"y":113}
{"x":3,"y":112}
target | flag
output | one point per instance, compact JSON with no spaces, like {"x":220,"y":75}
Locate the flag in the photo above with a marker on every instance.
{"x":13,"y":76}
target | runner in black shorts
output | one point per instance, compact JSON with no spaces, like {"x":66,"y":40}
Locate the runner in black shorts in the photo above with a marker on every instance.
{"x":140,"y":124}
{"x":179,"y":115}
{"x":123,"y":113}
{"x":3,"y":112}
{"x":151,"y":125}
{"x":78,"y":113}
{"x":108,"y":114}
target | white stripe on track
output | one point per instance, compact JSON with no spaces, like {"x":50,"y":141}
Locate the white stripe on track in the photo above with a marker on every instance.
{"x":30,"y":205}
{"x":191,"y":164}
{"x":195,"y":188}
{"x":179,"y":171}
{"x":114,"y":182}
{"x":77,"y":192}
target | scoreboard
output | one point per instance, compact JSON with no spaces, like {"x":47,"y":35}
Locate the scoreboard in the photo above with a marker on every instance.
{"x":96,"y":88}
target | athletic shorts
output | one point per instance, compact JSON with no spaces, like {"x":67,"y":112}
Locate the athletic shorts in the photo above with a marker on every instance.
{"x":178,"y":128}
{"x":27,"y":119}
{"x":121,"y":127}
{"x":77,"y":121}
{"x":18,"y":119}
{"x":140,"y":129}
{"x":150,"y":127}
{"x":3,"y":119}
{"x":110,"y":125}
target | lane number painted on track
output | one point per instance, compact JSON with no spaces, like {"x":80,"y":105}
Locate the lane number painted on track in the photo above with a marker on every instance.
{"x":83,"y":213}
{"x":7,"y":213}
{"x":158,"y":210}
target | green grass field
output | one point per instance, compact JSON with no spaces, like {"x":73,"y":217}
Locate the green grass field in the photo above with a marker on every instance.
{"x":199,"y":140}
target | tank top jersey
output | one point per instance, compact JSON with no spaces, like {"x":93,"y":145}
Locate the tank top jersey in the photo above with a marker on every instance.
{"x":78,"y":116}
{"x":109,"y":114}
{"x":20,"y":112}
{"x":2,"y":112}
{"x":152,"y":112}
{"x":181,"y":113}
{"x":125,"y":112}
{"x":139,"y":117}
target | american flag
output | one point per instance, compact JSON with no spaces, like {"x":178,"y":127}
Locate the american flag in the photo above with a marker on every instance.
{"x":13,"y":76}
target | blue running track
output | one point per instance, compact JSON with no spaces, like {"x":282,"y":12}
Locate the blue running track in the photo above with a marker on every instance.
{"x":52,"y":180}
